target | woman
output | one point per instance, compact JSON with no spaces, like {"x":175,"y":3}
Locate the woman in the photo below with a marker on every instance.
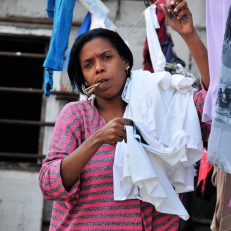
{"x":77,"y":172}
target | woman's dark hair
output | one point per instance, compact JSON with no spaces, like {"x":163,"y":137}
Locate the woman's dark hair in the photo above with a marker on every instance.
{"x":74,"y":68}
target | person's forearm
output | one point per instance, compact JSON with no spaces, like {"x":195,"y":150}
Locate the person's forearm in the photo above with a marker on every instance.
{"x":200,"y":55}
{"x":73,"y":164}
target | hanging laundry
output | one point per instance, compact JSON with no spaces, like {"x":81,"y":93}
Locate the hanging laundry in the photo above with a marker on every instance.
{"x":172,"y":136}
{"x":165,"y":41}
{"x":205,"y":189}
{"x":96,"y":22}
{"x":63,"y":13}
{"x":171,"y":57}
{"x":50,"y":8}
{"x":219,"y":144}
{"x":99,"y":9}
{"x":216,"y":16}
{"x":161,"y":34}
{"x":157,"y":58}
{"x":199,"y":102}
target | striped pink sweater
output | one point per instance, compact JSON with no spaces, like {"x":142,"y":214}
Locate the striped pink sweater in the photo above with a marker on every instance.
{"x":89,"y":205}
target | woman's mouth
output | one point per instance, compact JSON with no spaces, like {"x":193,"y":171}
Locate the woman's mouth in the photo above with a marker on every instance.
{"x":103,"y":80}
{"x":103,"y":83}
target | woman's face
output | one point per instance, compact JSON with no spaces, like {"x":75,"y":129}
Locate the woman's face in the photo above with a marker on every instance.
{"x":100,"y":62}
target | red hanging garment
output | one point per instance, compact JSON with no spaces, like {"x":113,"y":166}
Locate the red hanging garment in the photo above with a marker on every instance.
{"x":205,"y":188}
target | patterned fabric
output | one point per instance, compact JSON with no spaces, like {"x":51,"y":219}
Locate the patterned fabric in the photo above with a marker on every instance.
{"x":199,"y":99}
{"x":89,"y":204}
{"x":219,"y":140}
{"x":216,"y":16}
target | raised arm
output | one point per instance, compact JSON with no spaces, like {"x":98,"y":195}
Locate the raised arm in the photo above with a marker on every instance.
{"x":187,"y":31}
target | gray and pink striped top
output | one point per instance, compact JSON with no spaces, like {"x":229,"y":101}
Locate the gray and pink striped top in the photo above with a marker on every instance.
{"x":89,"y":205}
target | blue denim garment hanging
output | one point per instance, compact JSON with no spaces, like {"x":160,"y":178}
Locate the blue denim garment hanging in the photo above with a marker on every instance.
{"x":63,"y":14}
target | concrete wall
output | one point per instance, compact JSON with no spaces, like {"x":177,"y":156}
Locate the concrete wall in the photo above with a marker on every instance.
{"x":21,"y":202}
{"x":198,"y":11}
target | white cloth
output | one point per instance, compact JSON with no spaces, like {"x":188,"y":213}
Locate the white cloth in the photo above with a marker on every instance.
{"x":162,"y":108}
{"x":156,"y":54}
{"x":99,"y":10}
{"x":96,"y":22}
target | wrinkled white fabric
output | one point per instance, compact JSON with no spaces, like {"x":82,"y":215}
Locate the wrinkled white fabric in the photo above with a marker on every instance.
{"x":99,"y":10}
{"x":96,"y":22}
{"x":162,"y":108}
{"x":156,"y":54}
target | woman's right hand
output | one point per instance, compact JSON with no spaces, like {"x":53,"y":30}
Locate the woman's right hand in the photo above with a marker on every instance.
{"x":189,"y":34}
{"x":183,"y":27}
{"x":113,"y":131}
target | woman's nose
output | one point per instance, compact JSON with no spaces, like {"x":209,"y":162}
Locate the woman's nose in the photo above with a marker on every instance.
{"x":99,"y":67}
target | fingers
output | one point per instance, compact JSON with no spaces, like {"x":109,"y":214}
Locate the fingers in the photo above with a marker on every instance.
{"x":182,"y":15}
{"x":180,"y":9}
{"x":176,"y":9}
{"x":180,"y":5}
{"x":125,"y":121}
{"x":121,"y":123}
{"x":115,"y":131}
{"x":168,"y":15}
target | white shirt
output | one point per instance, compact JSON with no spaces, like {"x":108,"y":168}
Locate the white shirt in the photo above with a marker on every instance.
{"x":162,"y":108}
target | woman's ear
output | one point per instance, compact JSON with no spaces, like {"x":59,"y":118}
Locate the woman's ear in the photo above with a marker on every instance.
{"x":126,"y":63}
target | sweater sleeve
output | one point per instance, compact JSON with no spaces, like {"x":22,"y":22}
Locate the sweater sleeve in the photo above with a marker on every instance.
{"x":66,"y":137}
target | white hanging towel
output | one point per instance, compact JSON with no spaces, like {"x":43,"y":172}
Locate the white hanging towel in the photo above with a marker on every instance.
{"x":156,"y":54}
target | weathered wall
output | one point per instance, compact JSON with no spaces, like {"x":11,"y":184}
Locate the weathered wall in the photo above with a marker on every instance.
{"x":198,"y":11}
{"x":21,"y":202}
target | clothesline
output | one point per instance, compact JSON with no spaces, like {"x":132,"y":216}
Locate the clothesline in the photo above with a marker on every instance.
{"x":138,"y":21}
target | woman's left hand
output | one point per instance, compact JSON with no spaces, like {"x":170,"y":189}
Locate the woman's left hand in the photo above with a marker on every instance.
{"x":181,"y":12}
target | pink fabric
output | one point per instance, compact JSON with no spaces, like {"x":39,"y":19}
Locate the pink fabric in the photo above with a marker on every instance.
{"x":199,"y":99}
{"x":89,"y":205}
{"x":230,"y":204}
{"x":216,"y":16}
{"x":204,"y":170}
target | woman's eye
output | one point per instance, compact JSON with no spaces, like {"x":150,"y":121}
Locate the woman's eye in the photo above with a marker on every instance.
{"x":87,"y":65}
{"x":107,"y":56}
